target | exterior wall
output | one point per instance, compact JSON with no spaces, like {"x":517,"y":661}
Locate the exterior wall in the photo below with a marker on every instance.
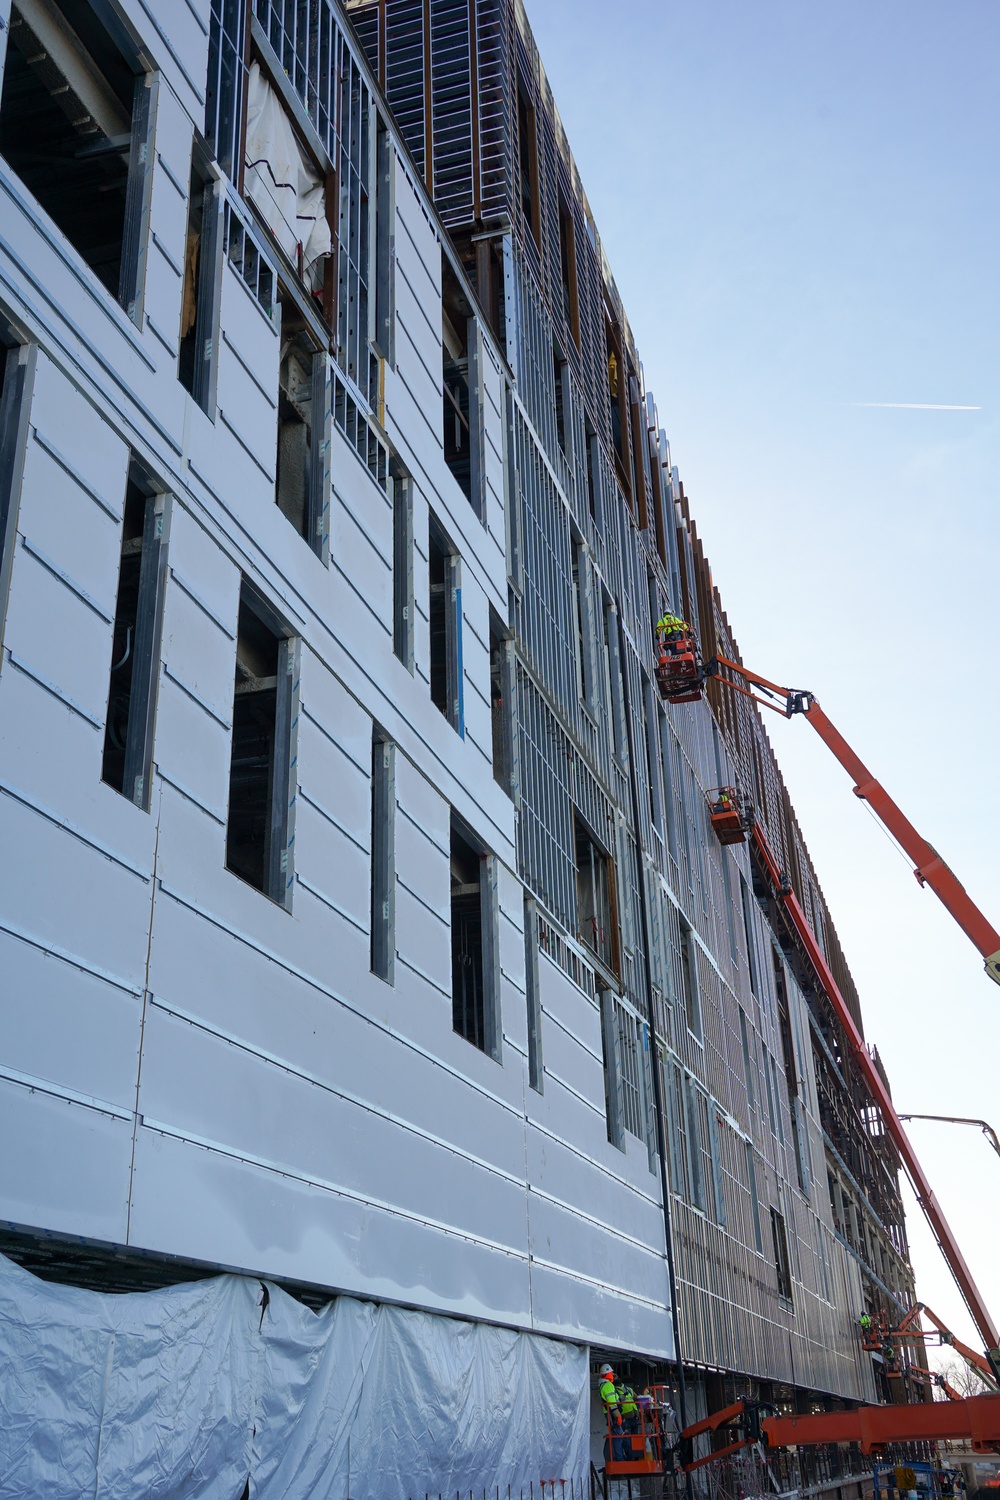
{"x":191,"y":1069}
{"x":197,"y":1071}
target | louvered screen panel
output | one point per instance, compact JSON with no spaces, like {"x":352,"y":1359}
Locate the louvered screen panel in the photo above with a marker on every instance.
{"x":404,"y":73}
{"x":451,"y":110}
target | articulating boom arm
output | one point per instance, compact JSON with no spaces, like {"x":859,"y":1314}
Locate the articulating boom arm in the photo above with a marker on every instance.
{"x":880,"y":1094}
{"x":975,"y":1419}
{"x":929,"y":868}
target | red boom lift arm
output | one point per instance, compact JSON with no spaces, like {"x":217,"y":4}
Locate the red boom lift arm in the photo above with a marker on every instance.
{"x":929,"y":868}
{"x":975,"y":1420}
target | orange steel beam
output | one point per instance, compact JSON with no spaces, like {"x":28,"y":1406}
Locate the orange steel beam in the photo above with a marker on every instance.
{"x":976,"y":1419}
{"x":929,"y":868}
{"x":880,"y":1094}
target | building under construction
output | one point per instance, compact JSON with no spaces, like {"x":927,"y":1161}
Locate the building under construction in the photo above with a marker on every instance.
{"x":375,"y":980}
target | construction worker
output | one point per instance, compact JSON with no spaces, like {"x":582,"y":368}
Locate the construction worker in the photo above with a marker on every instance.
{"x":866,"y":1325}
{"x":629,"y":1408}
{"x":609,"y":1395}
{"x":670,"y":632}
{"x":722,"y":803}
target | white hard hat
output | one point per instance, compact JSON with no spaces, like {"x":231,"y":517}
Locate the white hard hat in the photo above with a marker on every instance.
{"x":607,"y":1370}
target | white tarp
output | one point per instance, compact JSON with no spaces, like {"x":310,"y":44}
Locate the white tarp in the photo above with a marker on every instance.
{"x":281,"y":180}
{"x":193,"y":1391}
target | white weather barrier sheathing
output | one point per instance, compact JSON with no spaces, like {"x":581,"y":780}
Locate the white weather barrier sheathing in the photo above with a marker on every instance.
{"x":193,"y":1391}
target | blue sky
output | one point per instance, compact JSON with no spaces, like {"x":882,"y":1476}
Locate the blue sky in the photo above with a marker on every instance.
{"x":799,"y":203}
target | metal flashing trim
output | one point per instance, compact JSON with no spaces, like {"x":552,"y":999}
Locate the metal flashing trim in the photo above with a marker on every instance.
{"x":423,"y":974}
{"x":268,"y":396}
{"x":54,"y":689}
{"x":551,"y":1265}
{"x":329,"y":902}
{"x":325,"y":812}
{"x":68,"y":1095}
{"x":62,"y":823}
{"x":182,"y":191}
{"x":161,"y":337}
{"x":64,"y":578}
{"x":189,"y":796}
{"x":551,"y":1073}
{"x":343,"y":999}
{"x":306,"y":713}
{"x":268,"y":475}
{"x":114,"y":511}
{"x":579,"y":1213}
{"x":347,"y":1094}
{"x":207,"y":609}
{"x":410,"y":891}
{"x":227,"y":724}
{"x":76,"y":267}
{"x":171,"y":262}
{"x":426,"y":833}
{"x":248,"y":1158}
{"x":573,"y":1036}
{"x":74,"y":961}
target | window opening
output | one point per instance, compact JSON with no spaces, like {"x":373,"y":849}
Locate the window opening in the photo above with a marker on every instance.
{"x":567,"y":263}
{"x":402,"y":563}
{"x":383,"y":865}
{"x":288,"y":188}
{"x":583,"y":617}
{"x":680,"y":1177}
{"x":259,"y":771}
{"x":613,"y":682}
{"x":593,"y":460}
{"x":689,"y":975}
{"x":560,"y":379}
{"x":14,"y":409}
{"x":747,"y":1068}
{"x":594,"y":899}
{"x":501,"y":704}
{"x":629,"y":1052}
{"x":128,"y":730}
{"x":618,"y":405}
{"x":474,"y":952}
{"x":224,"y":90}
{"x":527,"y":148}
{"x":352,"y":311}
{"x":445,"y":611}
{"x":748,"y":931}
{"x":533,"y":998}
{"x":303,"y":427}
{"x":781,"y":1263}
{"x":461,"y":415}
{"x":754,"y":1200}
{"x":697,"y":1145}
{"x":199,"y":301}
{"x":75,"y":127}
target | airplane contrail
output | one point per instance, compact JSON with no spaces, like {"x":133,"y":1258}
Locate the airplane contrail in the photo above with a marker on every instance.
{"x":916,"y":406}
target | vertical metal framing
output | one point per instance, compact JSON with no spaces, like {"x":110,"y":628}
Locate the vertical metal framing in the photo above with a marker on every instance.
{"x":383,"y":858}
{"x":533,"y":997}
{"x":15,"y":406}
{"x":612,"y":1070}
{"x":489,"y":907}
{"x":477,"y":419}
{"x":138,"y":194}
{"x":385,"y":242}
{"x":402,"y":566}
{"x":453,"y":642}
{"x":321,"y":427}
{"x":280,"y":872}
{"x":146,"y":652}
{"x":209,"y":284}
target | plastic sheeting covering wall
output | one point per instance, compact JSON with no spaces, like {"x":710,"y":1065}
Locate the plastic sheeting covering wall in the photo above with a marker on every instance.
{"x":198,"y":1389}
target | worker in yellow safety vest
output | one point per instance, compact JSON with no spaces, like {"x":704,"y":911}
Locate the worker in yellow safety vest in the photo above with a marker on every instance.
{"x":671,"y":628}
{"x":609,"y":1396}
{"x":628,"y":1406}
